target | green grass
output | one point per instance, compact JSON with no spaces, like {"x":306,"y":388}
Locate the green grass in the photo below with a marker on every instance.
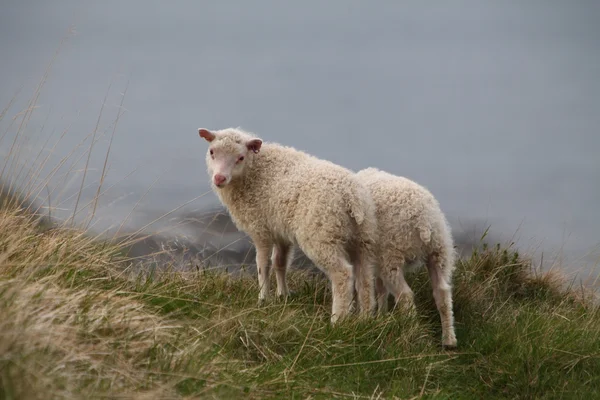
{"x":74,"y":323}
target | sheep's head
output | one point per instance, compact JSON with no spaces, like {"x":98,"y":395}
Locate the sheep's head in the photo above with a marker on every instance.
{"x":229,"y":152}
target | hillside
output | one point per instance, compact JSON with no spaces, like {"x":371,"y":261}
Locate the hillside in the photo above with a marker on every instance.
{"x":77,"y":322}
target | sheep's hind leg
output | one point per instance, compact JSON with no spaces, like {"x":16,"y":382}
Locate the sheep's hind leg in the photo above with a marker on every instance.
{"x":442,"y":293}
{"x":406,"y":298}
{"x":342,"y":288}
{"x":282,"y":256}
{"x":393,"y":277}
{"x":365,"y":285}
{"x":341,"y":274}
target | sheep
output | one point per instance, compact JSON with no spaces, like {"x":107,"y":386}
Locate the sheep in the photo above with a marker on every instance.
{"x":412,"y":230}
{"x":282,"y":197}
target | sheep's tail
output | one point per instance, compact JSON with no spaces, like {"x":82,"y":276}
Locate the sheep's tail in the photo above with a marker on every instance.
{"x":441,"y":242}
{"x":358,"y":213}
{"x":425,"y":230}
{"x":358,"y":202}
{"x":362,"y":209}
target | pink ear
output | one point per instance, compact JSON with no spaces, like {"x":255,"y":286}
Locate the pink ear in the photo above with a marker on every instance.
{"x":254,"y":145}
{"x":206,"y":134}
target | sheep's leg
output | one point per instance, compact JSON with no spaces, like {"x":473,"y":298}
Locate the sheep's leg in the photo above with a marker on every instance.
{"x":263,"y":250}
{"x":331,"y":259}
{"x":365,"y":285}
{"x":393,"y":278}
{"x":442,"y":293}
{"x":282,"y":255}
{"x":341,"y":274}
{"x":405,"y":298}
{"x":342,"y":288}
{"x":382,"y":296}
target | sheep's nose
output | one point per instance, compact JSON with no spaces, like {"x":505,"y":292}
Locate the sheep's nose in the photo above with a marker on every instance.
{"x":219,"y":179}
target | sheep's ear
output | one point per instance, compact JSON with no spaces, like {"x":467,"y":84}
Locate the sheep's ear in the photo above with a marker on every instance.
{"x":254,"y":144}
{"x":206,"y":134}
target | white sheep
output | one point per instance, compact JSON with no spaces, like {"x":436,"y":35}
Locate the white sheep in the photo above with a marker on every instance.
{"x":412,"y":230}
{"x":282,"y":197}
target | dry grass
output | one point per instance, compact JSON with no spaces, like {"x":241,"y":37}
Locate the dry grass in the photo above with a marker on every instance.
{"x":57,"y":335}
{"x":74,"y":323}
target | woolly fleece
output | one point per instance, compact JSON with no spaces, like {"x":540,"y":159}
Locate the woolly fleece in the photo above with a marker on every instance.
{"x":412,"y":229}
{"x":283,"y":197}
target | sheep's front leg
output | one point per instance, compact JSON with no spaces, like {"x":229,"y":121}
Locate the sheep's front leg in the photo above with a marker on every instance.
{"x":263,"y":250}
{"x":382,"y":296}
{"x":282,"y":255}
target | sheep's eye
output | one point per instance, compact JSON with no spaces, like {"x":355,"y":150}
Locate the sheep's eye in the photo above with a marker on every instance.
{"x":241,"y":158}
{"x":212,"y":152}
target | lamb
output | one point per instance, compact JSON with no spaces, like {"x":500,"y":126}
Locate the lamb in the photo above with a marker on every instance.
{"x":282,"y":197}
{"x":412,"y":230}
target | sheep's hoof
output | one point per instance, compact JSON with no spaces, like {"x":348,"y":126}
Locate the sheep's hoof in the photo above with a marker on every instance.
{"x":450,"y":344}
{"x":261,"y":302}
{"x":283,"y":297}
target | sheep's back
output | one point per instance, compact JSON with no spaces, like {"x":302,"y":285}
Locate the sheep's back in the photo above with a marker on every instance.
{"x":406,"y":214}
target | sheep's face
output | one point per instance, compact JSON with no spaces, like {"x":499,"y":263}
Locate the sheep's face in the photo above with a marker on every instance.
{"x":229,"y":152}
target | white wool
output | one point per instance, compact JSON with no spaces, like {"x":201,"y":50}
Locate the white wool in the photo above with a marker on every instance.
{"x":412,"y":230}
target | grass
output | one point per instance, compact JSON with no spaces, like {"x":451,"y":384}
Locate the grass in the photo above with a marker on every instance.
{"x":76,"y":323}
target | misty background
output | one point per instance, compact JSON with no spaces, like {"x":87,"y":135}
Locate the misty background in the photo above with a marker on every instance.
{"x":494,"y":107}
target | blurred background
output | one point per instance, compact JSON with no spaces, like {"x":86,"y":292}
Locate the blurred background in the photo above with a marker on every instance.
{"x":495,"y":107}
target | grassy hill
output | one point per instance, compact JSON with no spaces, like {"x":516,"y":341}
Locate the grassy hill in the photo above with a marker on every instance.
{"x":77,"y":322}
